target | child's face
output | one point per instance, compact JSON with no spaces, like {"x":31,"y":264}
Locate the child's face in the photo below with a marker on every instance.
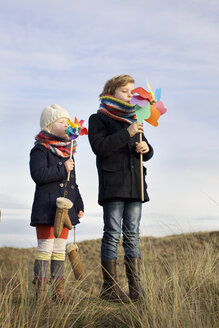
{"x":59,"y":128}
{"x":124,"y":92}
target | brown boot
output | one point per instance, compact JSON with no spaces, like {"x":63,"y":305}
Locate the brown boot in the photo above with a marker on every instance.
{"x":59,"y":294}
{"x":133,"y":275}
{"x":41,"y":289}
{"x":110,"y":290}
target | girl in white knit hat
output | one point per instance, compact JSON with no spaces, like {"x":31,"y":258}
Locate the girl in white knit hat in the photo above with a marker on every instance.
{"x":50,"y":165}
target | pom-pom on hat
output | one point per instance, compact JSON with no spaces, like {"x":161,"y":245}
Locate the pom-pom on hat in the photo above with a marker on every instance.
{"x":51,"y":114}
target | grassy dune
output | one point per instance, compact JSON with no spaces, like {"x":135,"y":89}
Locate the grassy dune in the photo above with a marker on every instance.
{"x":180,"y":275}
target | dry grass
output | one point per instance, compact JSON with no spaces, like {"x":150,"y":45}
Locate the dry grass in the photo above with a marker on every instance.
{"x":180,"y":275}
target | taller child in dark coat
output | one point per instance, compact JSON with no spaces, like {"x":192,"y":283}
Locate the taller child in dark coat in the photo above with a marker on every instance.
{"x":49,"y":167}
{"x":114,"y":138}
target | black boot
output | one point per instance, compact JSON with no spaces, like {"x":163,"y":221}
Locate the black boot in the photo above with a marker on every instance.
{"x":133,"y":275}
{"x":110,"y":290}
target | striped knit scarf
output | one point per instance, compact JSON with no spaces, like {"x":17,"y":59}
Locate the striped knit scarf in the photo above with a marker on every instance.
{"x":57,"y":145}
{"x":117,"y":109}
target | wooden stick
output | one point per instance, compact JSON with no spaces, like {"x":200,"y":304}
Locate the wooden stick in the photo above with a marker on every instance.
{"x":71,"y":151}
{"x":141,"y":168}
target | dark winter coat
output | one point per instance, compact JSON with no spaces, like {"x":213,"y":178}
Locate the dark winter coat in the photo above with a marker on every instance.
{"x":118,"y":163}
{"x":49,"y":174}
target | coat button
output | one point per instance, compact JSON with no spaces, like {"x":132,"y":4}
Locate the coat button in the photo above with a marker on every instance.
{"x":60,"y":163}
{"x":72,"y":187}
{"x":72,"y":175}
{"x":61,"y":185}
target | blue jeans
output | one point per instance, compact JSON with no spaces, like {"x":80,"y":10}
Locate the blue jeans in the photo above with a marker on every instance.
{"x":121,"y":216}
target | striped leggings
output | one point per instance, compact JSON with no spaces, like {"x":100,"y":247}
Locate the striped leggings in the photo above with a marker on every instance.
{"x":49,"y":249}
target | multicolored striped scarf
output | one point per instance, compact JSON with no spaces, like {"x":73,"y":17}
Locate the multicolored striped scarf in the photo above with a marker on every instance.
{"x":117,"y":109}
{"x":57,"y":145}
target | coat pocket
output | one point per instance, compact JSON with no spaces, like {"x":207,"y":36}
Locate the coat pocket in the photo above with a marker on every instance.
{"x":113,"y":177}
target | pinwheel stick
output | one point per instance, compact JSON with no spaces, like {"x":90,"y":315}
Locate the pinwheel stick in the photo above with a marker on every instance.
{"x":141,"y":168}
{"x":70,"y":158}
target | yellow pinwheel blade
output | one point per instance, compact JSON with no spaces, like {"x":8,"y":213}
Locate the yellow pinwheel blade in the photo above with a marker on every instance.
{"x":149,"y":87}
{"x":73,"y":125}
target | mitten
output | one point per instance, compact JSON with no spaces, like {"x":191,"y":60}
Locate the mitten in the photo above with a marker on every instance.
{"x":73,"y":255}
{"x":61,"y":218}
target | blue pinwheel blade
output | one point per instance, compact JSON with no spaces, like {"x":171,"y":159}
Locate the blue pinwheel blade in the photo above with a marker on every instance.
{"x":158,"y":94}
{"x":72,"y":133}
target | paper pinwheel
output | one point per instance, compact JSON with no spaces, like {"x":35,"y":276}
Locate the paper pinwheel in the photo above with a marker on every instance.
{"x":147,"y":106}
{"x":76,"y":129}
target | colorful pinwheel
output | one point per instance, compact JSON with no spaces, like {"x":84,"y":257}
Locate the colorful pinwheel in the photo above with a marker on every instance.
{"x":147,"y":106}
{"x":76,"y":129}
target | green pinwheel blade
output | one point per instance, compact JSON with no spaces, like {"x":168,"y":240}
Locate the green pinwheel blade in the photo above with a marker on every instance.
{"x":142,"y":113}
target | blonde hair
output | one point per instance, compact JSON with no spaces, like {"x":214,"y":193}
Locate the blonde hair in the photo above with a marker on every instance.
{"x":48,"y":128}
{"x":116,"y":82}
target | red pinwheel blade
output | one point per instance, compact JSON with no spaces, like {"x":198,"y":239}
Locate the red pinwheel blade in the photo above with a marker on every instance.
{"x":83,"y":131}
{"x":143,"y":93}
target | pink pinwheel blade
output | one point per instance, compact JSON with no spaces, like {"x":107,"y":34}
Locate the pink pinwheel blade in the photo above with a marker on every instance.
{"x":160,"y":106}
{"x":138,"y":100}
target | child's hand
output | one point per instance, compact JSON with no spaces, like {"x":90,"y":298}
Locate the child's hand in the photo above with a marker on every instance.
{"x":80,"y":214}
{"x":135,"y":128}
{"x":142,"y":147}
{"x":69,"y":165}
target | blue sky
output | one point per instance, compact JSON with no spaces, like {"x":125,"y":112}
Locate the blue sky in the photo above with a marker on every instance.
{"x":63,"y":52}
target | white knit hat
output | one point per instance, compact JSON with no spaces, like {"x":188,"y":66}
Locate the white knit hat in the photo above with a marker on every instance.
{"x":51,"y":114}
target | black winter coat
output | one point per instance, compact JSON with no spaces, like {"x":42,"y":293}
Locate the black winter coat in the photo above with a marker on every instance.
{"x":49,"y":174}
{"x":118,"y":163}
